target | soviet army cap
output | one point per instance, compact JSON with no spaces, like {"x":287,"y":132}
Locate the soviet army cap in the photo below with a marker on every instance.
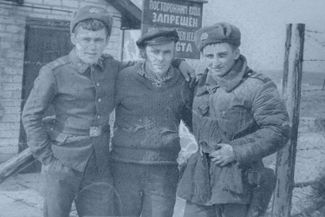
{"x":92,"y":12}
{"x":217,"y":33}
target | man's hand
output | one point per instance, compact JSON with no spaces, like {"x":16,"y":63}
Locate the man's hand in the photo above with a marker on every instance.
{"x":188,"y":72}
{"x":224,"y":155}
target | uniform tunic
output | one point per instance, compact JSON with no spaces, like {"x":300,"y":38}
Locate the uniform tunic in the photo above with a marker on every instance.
{"x":82,"y":96}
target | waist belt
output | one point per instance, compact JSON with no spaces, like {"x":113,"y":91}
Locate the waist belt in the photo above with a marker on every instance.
{"x":92,"y":131}
{"x":97,"y":130}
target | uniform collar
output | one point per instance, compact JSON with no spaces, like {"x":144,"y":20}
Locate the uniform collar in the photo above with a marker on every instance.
{"x":81,"y":66}
{"x":232,"y":79}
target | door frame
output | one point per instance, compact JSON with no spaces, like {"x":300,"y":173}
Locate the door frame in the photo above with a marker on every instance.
{"x":34,"y":23}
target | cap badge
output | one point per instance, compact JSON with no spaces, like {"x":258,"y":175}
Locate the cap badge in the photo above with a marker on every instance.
{"x":204,"y":36}
{"x":94,"y":10}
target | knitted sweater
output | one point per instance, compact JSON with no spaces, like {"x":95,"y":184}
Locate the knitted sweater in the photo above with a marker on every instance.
{"x":148,"y":116}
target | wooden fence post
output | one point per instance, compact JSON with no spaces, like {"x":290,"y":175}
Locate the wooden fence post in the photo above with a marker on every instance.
{"x":291,"y":90}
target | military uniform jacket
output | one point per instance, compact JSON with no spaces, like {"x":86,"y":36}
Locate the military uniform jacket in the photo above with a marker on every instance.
{"x":242,"y":109}
{"x":82,"y":96}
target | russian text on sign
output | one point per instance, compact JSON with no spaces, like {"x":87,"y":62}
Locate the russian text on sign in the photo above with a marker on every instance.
{"x":171,"y":19}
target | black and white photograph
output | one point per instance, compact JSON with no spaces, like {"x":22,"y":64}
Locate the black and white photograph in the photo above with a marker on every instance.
{"x":162,"y":108}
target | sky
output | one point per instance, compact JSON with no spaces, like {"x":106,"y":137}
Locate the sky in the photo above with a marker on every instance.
{"x":263,"y":23}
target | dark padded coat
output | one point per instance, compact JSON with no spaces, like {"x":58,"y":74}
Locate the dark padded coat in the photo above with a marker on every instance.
{"x":242,"y":109}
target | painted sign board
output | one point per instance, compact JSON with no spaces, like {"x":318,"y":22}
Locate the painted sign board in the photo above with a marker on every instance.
{"x":184,"y":16}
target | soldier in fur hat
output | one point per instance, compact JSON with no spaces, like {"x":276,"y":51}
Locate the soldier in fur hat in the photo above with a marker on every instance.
{"x":238,"y":118}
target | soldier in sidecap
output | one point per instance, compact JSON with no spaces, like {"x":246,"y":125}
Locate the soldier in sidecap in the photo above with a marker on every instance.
{"x":152,"y":98}
{"x":238,"y":118}
{"x":81,"y":89}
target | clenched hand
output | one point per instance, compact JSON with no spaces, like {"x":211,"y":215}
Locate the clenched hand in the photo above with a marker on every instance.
{"x":224,"y":155}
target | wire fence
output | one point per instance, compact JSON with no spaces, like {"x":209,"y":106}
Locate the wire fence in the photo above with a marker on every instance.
{"x":309,"y":189}
{"x":316,"y":38}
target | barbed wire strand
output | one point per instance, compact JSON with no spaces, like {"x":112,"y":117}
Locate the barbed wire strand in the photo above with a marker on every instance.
{"x":315,"y":60}
{"x":316,"y":40}
{"x":305,"y":184}
{"x":314,"y":31}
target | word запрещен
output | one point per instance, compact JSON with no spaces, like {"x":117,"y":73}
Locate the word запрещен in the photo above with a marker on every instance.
{"x":171,"y":19}
{"x":175,"y":14}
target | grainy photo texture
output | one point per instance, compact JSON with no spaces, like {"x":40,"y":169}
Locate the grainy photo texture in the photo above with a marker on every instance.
{"x":162,"y":108}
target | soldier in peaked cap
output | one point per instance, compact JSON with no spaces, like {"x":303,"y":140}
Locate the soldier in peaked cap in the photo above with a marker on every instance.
{"x":238,"y":118}
{"x":152,"y":98}
{"x":81,"y":88}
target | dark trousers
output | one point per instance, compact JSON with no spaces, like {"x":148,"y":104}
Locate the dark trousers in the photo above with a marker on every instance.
{"x":220,"y":210}
{"x":146,"y":190}
{"x":92,"y":192}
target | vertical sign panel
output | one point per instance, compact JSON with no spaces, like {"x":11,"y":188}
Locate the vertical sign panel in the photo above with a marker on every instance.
{"x":184,"y":16}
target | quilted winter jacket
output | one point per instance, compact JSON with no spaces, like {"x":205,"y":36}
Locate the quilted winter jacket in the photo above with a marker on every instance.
{"x":245,"y":110}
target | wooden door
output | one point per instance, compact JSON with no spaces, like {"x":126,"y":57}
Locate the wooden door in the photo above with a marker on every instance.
{"x":45,"y":40}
